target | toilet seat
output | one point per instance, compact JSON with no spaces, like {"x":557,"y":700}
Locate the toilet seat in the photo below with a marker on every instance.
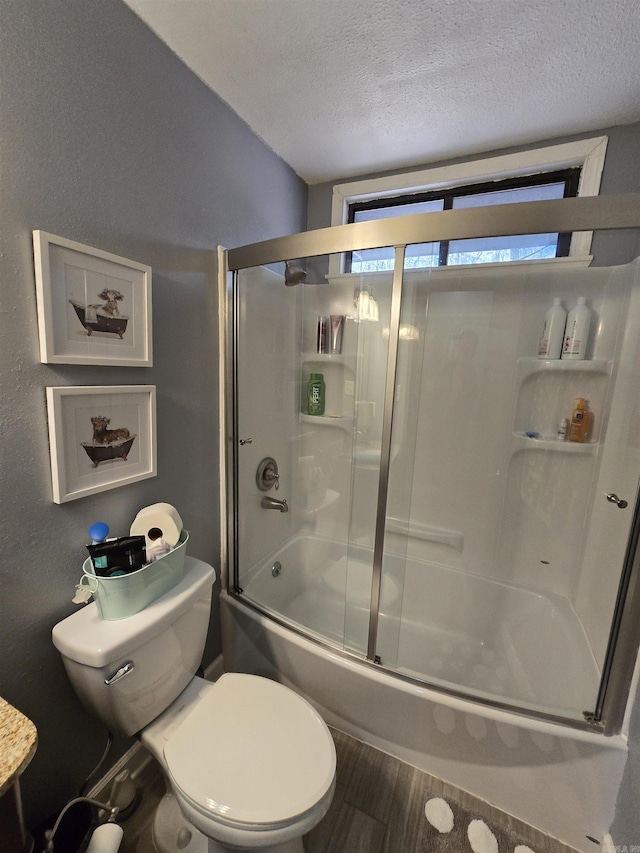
{"x":251,"y":755}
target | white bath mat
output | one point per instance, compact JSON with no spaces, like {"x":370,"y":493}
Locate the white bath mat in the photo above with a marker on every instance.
{"x":439,"y":814}
{"x":481,"y":839}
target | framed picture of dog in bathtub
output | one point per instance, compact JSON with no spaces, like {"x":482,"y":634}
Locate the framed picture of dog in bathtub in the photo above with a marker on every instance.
{"x":100,"y":437}
{"x":93,"y":307}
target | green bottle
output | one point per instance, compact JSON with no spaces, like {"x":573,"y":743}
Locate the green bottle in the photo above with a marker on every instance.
{"x":315,"y":394}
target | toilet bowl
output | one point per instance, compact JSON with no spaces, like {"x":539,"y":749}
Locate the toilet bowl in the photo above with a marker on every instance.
{"x":249,"y":764}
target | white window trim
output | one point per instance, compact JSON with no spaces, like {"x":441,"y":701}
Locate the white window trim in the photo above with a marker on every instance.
{"x":587,"y":153}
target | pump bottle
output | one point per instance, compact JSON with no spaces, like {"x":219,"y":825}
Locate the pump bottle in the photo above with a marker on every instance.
{"x":581,"y":422}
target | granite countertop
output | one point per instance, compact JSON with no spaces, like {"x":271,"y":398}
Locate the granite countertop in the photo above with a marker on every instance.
{"x":18,"y":739}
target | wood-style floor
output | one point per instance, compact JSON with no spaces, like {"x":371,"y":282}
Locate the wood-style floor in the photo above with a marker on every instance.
{"x":379,"y":807}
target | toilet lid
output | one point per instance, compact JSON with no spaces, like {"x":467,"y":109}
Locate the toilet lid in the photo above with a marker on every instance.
{"x":252,"y":752}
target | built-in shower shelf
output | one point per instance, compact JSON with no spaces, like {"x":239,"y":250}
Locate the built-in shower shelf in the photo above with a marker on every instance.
{"x":555,"y":445}
{"x":339,"y":376}
{"x":323,"y":358}
{"x":528,"y":366}
{"x":547,"y":390}
{"x":344,"y":422}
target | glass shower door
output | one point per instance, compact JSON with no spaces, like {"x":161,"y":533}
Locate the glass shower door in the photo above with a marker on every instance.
{"x":306,"y":477}
{"x":267,"y":335}
{"x":502,"y":529}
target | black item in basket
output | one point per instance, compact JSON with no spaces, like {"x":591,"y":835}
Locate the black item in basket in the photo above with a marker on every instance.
{"x":118,"y":556}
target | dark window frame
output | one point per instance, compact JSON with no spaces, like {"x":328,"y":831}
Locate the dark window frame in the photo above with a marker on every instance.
{"x":570,"y":177}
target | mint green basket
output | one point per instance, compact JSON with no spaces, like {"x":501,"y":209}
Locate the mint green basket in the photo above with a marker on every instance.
{"x":125,"y":595}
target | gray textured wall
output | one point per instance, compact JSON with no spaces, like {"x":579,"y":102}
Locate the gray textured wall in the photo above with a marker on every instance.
{"x":106,"y":138}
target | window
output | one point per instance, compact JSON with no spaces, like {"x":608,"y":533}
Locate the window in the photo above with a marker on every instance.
{"x":478,"y":251}
{"x":569,"y":169}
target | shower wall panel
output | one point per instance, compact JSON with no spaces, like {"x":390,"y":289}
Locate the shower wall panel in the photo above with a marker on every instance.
{"x":464,"y":407}
{"x":485,"y":491}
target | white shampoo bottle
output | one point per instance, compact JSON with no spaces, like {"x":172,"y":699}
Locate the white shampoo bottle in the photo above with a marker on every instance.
{"x":550,"y":344}
{"x":577,"y":331}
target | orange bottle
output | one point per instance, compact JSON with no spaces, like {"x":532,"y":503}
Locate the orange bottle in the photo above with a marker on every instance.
{"x":581,"y":422}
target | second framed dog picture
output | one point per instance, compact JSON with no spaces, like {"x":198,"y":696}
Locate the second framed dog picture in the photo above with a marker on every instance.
{"x":93,"y":307}
{"x":100,"y":437}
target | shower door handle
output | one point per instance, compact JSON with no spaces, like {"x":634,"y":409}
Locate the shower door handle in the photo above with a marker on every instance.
{"x":614,"y":499}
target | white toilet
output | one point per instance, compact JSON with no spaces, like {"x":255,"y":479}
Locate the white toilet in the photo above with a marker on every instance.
{"x":250,"y":764}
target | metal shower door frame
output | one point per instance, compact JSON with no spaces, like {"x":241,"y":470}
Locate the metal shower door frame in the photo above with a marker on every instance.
{"x":597,"y":213}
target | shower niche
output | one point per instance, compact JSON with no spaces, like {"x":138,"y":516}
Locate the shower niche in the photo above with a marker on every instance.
{"x":546,"y":394}
{"x":345,"y":407}
{"x":339,"y":377}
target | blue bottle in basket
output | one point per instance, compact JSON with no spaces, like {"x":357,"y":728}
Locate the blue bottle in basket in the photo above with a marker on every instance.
{"x":315,"y":394}
{"x":98,"y":532}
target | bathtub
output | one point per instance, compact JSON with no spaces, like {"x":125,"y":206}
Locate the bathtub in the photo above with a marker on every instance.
{"x":485,"y":635}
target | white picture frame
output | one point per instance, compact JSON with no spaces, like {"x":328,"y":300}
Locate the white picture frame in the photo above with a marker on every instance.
{"x":100,"y":437}
{"x":93,"y":307}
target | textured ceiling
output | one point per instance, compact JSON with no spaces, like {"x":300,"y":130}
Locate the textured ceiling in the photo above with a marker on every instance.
{"x":340,"y":88}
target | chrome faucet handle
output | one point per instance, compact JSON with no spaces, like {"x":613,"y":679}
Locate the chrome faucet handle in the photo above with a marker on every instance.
{"x":267,"y":475}
{"x":272,"y":476}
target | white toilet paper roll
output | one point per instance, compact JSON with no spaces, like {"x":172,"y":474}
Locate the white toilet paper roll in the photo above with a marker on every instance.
{"x":158,"y":517}
{"x":106,"y":839}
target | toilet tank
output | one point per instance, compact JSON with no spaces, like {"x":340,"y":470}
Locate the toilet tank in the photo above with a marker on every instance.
{"x":129,"y":671}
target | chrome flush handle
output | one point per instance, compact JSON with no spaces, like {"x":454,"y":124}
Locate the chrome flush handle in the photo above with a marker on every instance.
{"x":614,"y":499}
{"x":125,"y":669}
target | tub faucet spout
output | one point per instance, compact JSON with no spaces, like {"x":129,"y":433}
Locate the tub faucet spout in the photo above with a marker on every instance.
{"x":273,"y":503}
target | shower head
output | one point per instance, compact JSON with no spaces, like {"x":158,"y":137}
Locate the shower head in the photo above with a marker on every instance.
{"x":293,"y":274}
